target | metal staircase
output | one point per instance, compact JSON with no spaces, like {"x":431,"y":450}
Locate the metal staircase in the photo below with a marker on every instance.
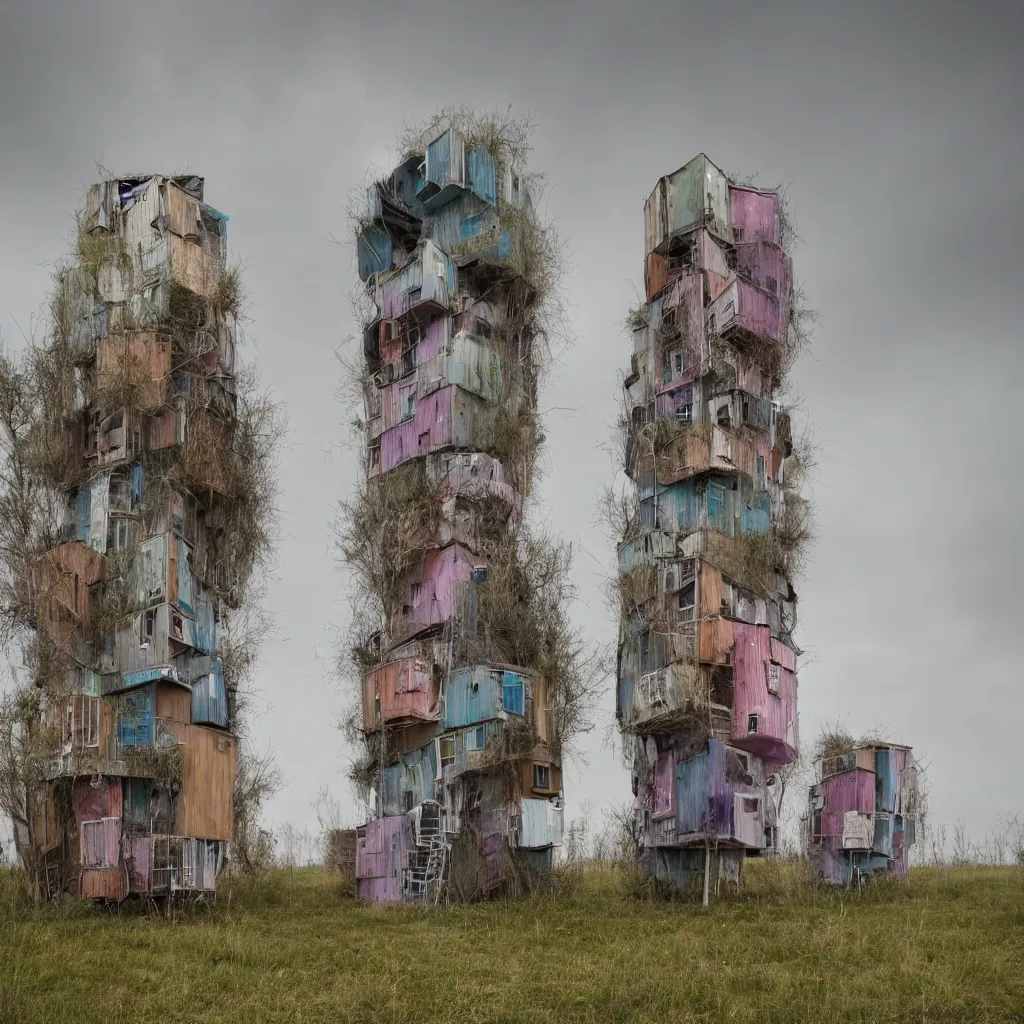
{"x":427,"y":865}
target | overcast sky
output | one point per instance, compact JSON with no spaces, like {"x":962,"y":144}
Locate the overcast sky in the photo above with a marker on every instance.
{"x":899,"y":128}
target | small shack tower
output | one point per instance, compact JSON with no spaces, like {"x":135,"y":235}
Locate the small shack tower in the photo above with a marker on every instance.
{"x":707,"y":686}
{"x":863,"y":810}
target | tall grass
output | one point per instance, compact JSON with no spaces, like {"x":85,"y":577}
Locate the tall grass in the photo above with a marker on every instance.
{"x":944,"y":945}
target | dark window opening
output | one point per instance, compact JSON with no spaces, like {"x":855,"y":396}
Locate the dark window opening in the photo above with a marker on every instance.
{"x":680,"y":254}
{"x":724,"y":416}
{"x":751,"y":723}
{"x":541,"y":776}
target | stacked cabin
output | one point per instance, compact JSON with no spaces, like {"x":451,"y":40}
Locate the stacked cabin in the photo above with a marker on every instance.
{"x":863,"y":812}
{"x":461,"y":768}
{"x":707,"y":664}
{"x":148,"y":552}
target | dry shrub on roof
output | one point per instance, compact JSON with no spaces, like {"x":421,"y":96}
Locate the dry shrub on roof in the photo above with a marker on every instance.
{"x":506,"y":136}
{"x":833,"y":741}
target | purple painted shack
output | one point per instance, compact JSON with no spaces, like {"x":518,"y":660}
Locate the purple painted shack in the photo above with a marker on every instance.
{"x":863,"y":813}
{"x":382,"y":846}
{"x":717,"y":793}
{"x":450,"y":417}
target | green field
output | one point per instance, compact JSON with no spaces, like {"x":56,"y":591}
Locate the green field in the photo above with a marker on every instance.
{"x":948,"y":945}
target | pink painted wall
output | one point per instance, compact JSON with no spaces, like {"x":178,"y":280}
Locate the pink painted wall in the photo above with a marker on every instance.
{"x":435,"y":601}
{"x":850,"y":791}
{"x":103,"y":801}
{"x":489,"y":477}
{"x":759,"y":313}
{"x":380,"y":857}
{"x":667,"y":393}
{"x":664,"y":781}
{"x":433,"y":418}
{"x":433,"y":341}
{"x":757,"y":213}
{"x":775,"y":741}
{"x":760,"y":261}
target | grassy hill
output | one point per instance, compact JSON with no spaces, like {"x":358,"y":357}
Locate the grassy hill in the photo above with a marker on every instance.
{"x":946,"y":946}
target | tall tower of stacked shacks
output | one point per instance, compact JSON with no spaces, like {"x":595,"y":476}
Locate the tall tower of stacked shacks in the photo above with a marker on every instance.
{"x":139,"y":541}
{"x":466,"y":664}
{"x":707,"y":683}
{"x":863,"y":810}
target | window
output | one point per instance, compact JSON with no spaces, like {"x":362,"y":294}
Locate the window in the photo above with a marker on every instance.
{"x":773,"y":677}
{"x":512,"y":693}
{"x":751,"y":805}
{"x":759,"y":481}
{"x":410,"y":359}
{"x":680,"y":255}
{"x":542,"y":777}
{"x":737,"y":234}
{"x":117,"y":534}
{"x":407,"y":402}
{"x":724,"y":415}
{"x":375,"y":457}
{"x":178,"y":627}
{"x":751,"y":723}
{"x":147,"y":625}
{"x":687,"y":600}
{"x":716,"y":500}
{"x":447,"y":750}
{"x":683,"y":402}
{"x":407,"y":800}
{"x":670,"y":581}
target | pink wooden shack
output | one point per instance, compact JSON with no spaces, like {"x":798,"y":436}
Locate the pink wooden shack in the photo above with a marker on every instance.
{"x":754,"y":215}
{"x":382,"y":846}
{"x":764,"y":695}
{"x":450,"y":417}
{"x":430,"y":591}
